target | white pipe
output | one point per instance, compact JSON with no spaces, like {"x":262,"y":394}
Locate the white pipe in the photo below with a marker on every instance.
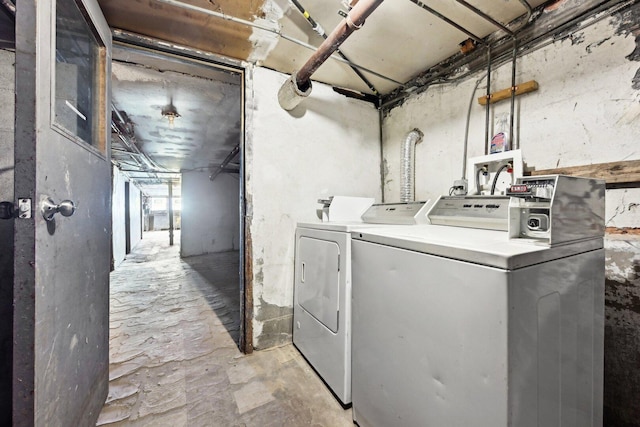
{"x":407,"y":175}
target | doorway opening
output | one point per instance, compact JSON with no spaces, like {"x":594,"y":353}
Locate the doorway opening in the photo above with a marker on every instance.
{"x":178,"y":152}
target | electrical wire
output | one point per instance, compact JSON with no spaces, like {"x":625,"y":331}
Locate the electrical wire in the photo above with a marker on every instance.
{"x":495,"y":179}
{"x":478,"y":172}
{"x":466,"y":129}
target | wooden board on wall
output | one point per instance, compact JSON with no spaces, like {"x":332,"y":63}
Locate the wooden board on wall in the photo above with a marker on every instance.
{"x":626,"y":172}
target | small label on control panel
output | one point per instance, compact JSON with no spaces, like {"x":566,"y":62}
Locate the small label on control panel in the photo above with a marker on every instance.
{"x":519,"y":188}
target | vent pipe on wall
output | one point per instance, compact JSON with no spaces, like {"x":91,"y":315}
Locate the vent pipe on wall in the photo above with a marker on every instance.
{"x":298,"y":86}
{"x":407,"y":163}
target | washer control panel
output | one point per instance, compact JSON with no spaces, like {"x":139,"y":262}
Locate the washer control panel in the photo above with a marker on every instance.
{"x":486,"y":212}
{"x":556,"y":209}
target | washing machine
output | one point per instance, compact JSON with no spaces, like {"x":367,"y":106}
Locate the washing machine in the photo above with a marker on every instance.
{"x":497,"y":325}
{"x":322,"y":290}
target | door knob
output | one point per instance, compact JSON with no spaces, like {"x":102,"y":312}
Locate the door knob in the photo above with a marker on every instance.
{"x":49,"y":208}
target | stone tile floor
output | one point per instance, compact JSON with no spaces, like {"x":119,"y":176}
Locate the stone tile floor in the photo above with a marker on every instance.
{"x":174,"y":361}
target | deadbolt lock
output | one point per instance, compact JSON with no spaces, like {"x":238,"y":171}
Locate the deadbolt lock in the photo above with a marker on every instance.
{"x":7,"y":210}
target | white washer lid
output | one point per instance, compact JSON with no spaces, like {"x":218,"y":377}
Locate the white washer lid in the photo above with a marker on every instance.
{"x":487,"y":247}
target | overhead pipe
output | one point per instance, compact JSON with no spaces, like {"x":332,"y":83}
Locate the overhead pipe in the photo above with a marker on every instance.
{"x":407,"y":175}
{"x":275,"y":31}
{"x":223,"y":166}
{"x":129,"y":141}
{"x":454,"y":24}
{"x":318,"y":29}
{"x":485,"y":16}
{"x":298,"y":86}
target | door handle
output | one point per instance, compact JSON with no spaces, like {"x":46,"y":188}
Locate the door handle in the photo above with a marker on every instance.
{"x":49,"y":208}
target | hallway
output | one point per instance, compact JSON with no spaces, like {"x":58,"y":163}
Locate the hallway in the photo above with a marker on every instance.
{"x":174,"y":361}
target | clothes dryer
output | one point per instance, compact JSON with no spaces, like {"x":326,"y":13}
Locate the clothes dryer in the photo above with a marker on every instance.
{"x":322,"y":290}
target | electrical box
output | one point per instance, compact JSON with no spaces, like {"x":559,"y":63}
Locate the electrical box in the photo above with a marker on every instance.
{"x":481,"y":183}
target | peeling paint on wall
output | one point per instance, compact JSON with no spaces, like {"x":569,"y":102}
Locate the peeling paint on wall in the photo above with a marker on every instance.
{"x":622,"y":332}
{"x":623,"y":208}
{"x":189,"y":28}
{"x":591,"y":46}
{"x":276,"y":324}
{"x":263,"y":42}
{"x":328,"y":146}
{"x":628,"y":23}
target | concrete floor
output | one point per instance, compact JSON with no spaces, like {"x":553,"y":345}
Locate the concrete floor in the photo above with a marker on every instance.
{"x":173,"y":355}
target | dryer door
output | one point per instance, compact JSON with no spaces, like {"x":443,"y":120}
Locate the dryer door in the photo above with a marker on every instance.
{"x":318,"y":281}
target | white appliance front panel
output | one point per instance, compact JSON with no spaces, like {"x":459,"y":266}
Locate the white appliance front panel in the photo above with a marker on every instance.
{"x":319,"y":280}
{"x":429,"y":344}
{"x":328,"y":352}
{"x":444,"y":342}
{"x":556,"y":342}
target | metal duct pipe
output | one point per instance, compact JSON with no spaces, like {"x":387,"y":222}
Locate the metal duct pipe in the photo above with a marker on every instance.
{"x":407,"y":190}
{"x":298,"y":86}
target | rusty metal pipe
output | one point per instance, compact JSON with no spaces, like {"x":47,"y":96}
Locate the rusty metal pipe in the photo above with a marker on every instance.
{"x":354,"y":20}
{"x":299,"y":85}
{"x":318,"y":29}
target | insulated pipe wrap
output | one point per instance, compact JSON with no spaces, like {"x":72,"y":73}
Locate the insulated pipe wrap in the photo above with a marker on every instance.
{"x":290,"y":95}
{"x":407,"y":190}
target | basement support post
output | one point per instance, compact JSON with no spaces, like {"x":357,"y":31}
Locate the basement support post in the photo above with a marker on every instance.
{"x":170,"y":213}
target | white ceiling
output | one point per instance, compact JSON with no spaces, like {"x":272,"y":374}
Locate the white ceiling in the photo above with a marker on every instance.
{"x":399,"y":41}
{"x":207,"y":99}
{"x":209,"y":124}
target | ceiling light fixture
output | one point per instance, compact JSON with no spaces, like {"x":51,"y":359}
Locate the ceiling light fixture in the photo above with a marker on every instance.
{"x":171,"y":113}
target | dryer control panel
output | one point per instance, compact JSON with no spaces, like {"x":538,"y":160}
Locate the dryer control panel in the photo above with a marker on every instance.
{"x":397,"y":213}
